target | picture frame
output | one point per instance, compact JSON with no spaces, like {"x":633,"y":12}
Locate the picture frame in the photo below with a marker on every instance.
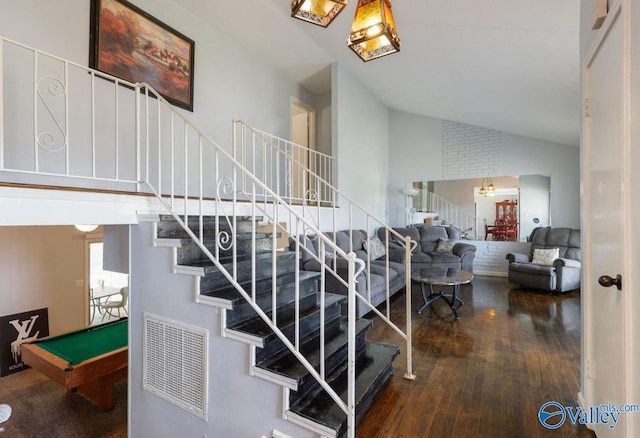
{"x":130,"y":44}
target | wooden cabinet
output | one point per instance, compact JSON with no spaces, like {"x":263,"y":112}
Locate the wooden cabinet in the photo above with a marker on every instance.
{"x":507,"y":210}
{"x":507,"y":220}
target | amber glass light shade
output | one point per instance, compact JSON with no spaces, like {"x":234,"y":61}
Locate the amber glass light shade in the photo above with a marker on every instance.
{"x":320,"y":12}
{"x":373,"y":32}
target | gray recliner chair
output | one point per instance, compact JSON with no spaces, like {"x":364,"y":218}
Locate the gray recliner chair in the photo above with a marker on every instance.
{"x":560,"y":275}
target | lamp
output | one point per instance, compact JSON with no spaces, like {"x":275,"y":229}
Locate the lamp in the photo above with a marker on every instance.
{"x":409,"y":193}
{"x":373,"y":31}
{"x":86,"y":228}
{"x":320,"y":12}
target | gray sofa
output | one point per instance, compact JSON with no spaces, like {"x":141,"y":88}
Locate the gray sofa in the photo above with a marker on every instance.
{"x":428,"y":238}
{"x":347,"y":240}
{"x":562,"y":274}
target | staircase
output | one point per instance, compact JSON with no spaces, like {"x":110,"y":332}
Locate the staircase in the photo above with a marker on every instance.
{"x":211,"y":201}
{"x":309,"y":403}
{"x":470,"y":225}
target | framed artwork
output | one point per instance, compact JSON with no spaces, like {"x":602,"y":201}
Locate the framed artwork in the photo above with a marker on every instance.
{"x":130,"y":44}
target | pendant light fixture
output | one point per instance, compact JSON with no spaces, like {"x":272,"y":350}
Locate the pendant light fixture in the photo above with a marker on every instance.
{"x":320,"y":12}
{"x":373,"y":31}
{"x":489,"y":190}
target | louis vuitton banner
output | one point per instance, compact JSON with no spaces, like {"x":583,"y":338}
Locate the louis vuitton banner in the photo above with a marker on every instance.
{"x":15,"y":330}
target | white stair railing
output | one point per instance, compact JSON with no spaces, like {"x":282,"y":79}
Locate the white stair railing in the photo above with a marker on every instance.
{"x":470,"y":225}
{"x":89,"y":130}
{"x":294,"y":172}
{"x":321,"y":205}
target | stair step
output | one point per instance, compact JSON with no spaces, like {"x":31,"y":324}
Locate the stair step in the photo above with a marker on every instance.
{"x":214,"y":279}
{"x":336,"y":343}
{"x":309,"y":322}
{"x":189,"y":251}
{"x":169,"y":228}
{"x":285,"y":293}
{"x":373,"y":369}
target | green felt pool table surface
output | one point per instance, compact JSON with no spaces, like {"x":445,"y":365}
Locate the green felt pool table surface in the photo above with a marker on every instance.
{"x":78,"y":346}
{"x":90,"y":360}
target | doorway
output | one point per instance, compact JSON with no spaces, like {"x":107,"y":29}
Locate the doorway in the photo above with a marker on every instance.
{"x":104,"y":286}
{"x":301,"y":173}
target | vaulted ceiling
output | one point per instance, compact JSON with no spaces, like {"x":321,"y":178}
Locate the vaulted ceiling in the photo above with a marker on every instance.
{"x":510,"y":65}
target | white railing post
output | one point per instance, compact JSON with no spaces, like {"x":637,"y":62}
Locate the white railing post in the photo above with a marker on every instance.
{"x":351,"y":358}
{"x":408,"y":248}
{"x":138,"y":152}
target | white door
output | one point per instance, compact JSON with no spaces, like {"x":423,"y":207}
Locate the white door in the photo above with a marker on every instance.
{"x":604,"y":367}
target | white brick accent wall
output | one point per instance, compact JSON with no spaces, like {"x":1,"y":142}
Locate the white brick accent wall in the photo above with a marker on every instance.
{"x":491,"y":256}
{"x":470,"y":151}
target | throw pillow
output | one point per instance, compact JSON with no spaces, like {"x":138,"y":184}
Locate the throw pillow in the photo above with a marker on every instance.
{"x":545,"y":256}
{"x":375,"y":247}
{"x":445,"y":245}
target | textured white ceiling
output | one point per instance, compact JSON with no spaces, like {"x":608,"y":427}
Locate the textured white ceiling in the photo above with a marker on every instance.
{"x":510,"y":65}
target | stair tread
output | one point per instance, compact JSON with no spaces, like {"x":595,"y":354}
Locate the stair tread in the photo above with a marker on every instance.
{"x":321,"y":408}
{"x":263,"y":286}
{"x":257,"y":327}
{"x":207,"y":239}
{"x":287,"y":364}
{"x":260,"y":255}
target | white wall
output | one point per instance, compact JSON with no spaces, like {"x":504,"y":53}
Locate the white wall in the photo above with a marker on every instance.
{"x":360,"y":142}
{"x":39,"y":267}
{"x":534,"y":203}
{"x":240,"y":405}
{"x":415,"y":154}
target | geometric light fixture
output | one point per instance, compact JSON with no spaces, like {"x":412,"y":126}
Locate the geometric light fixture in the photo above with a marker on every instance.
{"x":86,"y":228}
{"x":373,"y":31}
{"x":320,"y":12}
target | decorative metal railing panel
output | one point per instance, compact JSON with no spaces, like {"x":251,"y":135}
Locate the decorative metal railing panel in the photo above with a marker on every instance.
{"x":89,"y":130}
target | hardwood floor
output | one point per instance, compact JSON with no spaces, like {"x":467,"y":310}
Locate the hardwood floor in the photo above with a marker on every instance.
{"x":487,"y":374}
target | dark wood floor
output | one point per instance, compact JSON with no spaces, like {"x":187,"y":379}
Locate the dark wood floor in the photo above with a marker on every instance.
{"x":487,"y":374}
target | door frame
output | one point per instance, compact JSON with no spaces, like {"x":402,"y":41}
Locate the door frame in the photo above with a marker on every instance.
{"x":297,"y":107}
{"x":89,"y":238}
{"x":618,"y":10}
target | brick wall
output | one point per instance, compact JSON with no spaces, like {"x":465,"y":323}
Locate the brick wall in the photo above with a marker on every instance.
{"x":470,"y":151}
{"x":491,"y":256}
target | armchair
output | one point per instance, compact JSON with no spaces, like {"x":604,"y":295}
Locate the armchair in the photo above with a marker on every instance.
{"x":561,"y":274}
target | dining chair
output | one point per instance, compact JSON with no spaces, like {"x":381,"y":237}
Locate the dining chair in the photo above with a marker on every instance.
{"x":111,"y":305}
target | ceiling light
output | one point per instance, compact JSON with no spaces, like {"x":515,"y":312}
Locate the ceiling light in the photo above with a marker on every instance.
{"x":373,"y":31}
{"x":86,"y":228}
{"x":320,"y":12}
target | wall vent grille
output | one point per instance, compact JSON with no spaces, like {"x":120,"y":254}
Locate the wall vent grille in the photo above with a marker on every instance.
{"x":175,"y":363}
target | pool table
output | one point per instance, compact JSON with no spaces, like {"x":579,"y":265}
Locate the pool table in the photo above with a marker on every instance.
{"x":90,"y":360}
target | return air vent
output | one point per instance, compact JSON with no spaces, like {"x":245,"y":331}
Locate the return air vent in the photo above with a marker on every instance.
{"x":175,"y":363}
